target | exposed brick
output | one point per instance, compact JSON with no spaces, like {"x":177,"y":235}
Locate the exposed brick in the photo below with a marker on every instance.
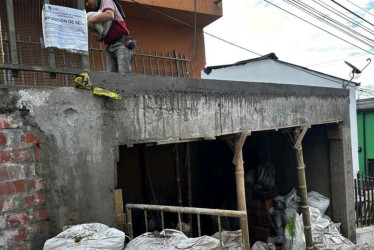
{"x":5,"y":155}
{"x":36,"y":184}
{"x":3,"y":139}
{"x":14,"y":236}
{"x":39,"y":214}
{"x":8,"y":204}
{"x":7,"y":122}
{"x":16,"y":155}
{"x":12,"y":171}
{"x":30,"y":138}
{"x":34,"y":200}
{"x":12,"y":187}
{"x":17,"y":219}
{"x":21,"y":234}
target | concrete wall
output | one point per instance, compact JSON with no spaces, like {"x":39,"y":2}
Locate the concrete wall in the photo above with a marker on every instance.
{"x":81,"y":133}
{"x":272,"y":71}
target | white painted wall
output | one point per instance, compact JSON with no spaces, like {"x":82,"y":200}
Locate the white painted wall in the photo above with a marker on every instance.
{"x":271,"y":71}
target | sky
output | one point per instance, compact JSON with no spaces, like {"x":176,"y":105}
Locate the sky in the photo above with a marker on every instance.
{"x":262,"y":28}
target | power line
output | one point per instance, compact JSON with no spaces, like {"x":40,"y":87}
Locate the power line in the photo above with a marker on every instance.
{"x":352,"y":12}
{"x":290,"y":65}
{"x":330,"y":21}
{"x":337,"y":60}
{"x":194,"y":37}
{"x":342,"y":15}
{"x":318,"y":27}
{"x":359,"y":7}
{"x":191,"y":26}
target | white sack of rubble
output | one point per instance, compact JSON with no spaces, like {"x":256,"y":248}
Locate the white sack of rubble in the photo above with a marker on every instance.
{"x":99,"y":30}
{"x":326,"y":235}
{"x":319,"y":201}
{"x":231,"y":240}
{"x":259,"y":245}
{"x":170,"y":239}
{"x":88,"y":237}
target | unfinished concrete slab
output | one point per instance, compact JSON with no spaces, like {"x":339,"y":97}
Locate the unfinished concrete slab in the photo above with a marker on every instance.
{"x":79,"y":134}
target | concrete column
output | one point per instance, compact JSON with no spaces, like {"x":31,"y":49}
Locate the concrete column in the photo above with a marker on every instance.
{"x":341,"y":178}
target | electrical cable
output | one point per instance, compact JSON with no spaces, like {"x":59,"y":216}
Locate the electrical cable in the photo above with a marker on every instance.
{"x":323,"y":19}
{"x":191,"y":26}
{"x":342,"y":15}
{"x":352,"y":12}
{"x":194,"y":38}
{"x":337,"y":60}
{"x":297,"y":68}
{"x":316,"y":27}
{"x":359,"y":7}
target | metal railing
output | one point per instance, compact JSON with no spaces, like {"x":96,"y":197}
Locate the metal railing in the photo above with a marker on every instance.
{"x":25,"y":61}
{"x":184,"y":210}
{"x":364,"y":200}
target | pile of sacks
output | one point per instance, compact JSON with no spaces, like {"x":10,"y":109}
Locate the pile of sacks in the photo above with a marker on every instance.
{"x":286,"y":206}
{"x":289,"y":229}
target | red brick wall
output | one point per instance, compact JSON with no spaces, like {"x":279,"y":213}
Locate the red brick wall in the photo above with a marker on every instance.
{"x":23,"y":213}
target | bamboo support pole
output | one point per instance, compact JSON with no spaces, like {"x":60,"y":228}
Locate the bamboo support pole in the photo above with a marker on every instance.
{"x":240,"y":186}
{"x":303,"y":187}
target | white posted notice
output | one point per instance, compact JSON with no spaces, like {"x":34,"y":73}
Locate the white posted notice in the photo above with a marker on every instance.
{"x":65,"y":28}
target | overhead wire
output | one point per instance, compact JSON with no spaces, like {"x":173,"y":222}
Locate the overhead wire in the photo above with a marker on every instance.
{"x":194,"y":38}
{"x":317,"y":27}
{"x":300,"y":69}
{"x":359,"y":7}
{"x":191,"y":26}
{"x":343,"y":15}
{"x":330,"y":21}
{"x":337,"y":60}
{"x":352,"y":12}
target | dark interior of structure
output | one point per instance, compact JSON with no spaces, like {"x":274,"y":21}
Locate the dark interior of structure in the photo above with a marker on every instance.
{"x":147,"y":174}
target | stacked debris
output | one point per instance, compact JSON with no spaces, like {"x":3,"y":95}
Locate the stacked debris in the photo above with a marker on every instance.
{"x":260,"y":191}
{"x":87,"y":236}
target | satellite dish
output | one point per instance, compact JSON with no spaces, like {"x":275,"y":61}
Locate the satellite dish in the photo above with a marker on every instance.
{"x":354,"y":69}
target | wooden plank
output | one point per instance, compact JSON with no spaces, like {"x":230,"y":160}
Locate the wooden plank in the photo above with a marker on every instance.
{"x":120,"y":216}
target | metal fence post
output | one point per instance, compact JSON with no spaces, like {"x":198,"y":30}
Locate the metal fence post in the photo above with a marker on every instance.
{"x":51,"y":53}
{"x":85,"y":64}
{"x":12,"y":35}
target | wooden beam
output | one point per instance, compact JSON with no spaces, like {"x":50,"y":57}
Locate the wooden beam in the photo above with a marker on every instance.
{"x":301,"y":136}
{"x":120,"y":216}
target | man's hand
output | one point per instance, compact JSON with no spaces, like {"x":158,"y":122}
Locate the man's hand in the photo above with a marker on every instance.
{"x":105,"y":16}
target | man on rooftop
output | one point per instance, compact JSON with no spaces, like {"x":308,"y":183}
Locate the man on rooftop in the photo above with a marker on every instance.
{"x":119,"y":43}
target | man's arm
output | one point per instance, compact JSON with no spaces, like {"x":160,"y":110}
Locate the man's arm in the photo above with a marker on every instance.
{"x":107,"y":15}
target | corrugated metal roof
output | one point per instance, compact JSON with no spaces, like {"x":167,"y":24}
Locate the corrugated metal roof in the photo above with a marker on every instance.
{"x":365,"y":104}
{"x":271,"y":56}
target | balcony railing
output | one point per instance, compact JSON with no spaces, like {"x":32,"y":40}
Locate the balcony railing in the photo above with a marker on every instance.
{"x":25,"y":61}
